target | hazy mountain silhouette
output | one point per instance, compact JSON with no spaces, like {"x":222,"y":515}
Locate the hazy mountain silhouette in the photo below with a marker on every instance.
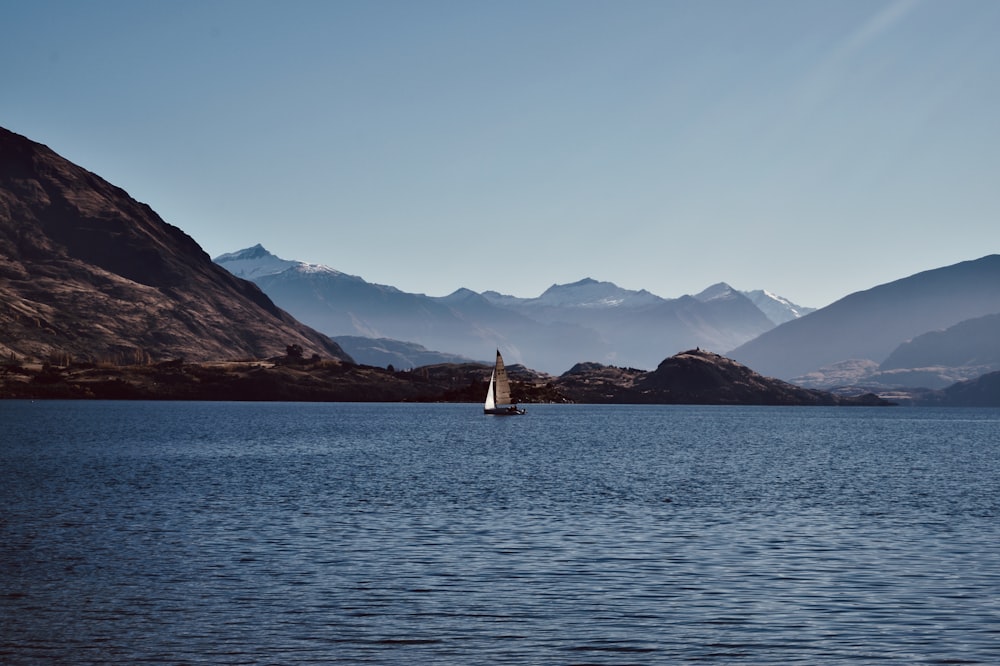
{"x":587,"y":320}
{"x":973,"y":342}
{"x":641,"y":328}
{"x":979,"y":392}
{"x":871,"y":324}
{"x":463,"y":323}
{"x":385,"y":352}
{"x":938,"y":359}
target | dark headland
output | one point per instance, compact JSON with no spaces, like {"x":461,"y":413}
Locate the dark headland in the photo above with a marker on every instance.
{"x":692,"y":377}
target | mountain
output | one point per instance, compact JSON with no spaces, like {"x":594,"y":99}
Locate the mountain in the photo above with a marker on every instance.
{"x":851,"y":372}
{"x":858,"y":376}
{"x":463,"y":323}
{"x":933,"y":360}
{"x":585,"y":320}
{"x":383,"y":352}
{"x":778,"y":309}
{"x":588,"y":294}
{"x":693,"y":377}
{"x":871,"y":324}
{"x":973,"y":343}
{"x":982,"y":391}
{"x":254,"y":262}
{"x":639,"y":327}
{"x":87,"y":273}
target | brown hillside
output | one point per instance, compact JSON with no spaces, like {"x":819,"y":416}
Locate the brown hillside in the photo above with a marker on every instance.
{"x":89,"y":273}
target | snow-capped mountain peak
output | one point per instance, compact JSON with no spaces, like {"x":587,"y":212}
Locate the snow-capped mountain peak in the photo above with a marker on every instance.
{"x":589,"y":293}
{"x":253,"y":262}
{"x":256,"y":262}
{"x":715,"y":292}
{"x":303,"y":267}
{"x":777,"y":308}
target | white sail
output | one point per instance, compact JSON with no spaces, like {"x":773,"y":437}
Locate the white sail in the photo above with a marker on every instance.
{"x":490,"y":402}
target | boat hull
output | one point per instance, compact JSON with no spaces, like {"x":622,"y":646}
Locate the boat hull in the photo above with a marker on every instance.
{"x":504,"y":411}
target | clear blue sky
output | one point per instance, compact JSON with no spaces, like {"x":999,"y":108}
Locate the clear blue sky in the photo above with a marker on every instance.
{"x":809,"y":147}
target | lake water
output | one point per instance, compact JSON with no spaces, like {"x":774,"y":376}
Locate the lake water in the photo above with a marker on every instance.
{"x":288,"y":533}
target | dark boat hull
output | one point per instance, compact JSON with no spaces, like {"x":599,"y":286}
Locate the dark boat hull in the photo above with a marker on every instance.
{"x":504,"y":411}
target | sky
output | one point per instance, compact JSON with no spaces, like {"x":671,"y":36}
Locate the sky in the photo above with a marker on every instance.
{"x":812,"y":148}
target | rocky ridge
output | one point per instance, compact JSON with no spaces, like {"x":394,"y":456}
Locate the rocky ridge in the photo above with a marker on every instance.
{"x":87,"y":273}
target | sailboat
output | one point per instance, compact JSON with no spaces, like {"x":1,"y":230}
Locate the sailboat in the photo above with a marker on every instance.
{"x":498,"y":395}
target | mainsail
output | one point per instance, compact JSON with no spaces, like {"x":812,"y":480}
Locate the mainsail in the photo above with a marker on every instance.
{"x":501,"y":389}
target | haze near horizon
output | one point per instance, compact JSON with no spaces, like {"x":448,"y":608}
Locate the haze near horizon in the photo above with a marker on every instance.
{"x":810,"y":149}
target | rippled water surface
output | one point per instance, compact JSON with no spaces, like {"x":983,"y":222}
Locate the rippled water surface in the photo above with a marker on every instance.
{"x":233,"y":533}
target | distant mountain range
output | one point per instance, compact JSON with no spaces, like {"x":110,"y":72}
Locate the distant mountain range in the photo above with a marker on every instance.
{"x":929,"y":329}
{"x":87,"y":273}
{"x":933,"y":360}
{"x":586,"y":320}
{"x":396,"y":354}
